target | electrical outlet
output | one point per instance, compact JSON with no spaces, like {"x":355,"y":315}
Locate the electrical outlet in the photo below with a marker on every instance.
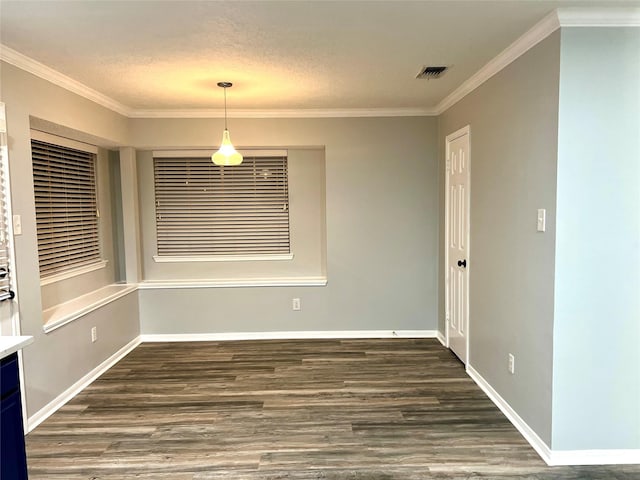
{"x":295,"y":304}
{"x":512,"y":364}
{"x":94,"y":334}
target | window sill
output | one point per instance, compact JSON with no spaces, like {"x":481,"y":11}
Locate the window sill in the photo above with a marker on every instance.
{"x":239,"y":282}
{"x":73,"y":273}
{"x":63,"y":313}
{"x":223,"y":258}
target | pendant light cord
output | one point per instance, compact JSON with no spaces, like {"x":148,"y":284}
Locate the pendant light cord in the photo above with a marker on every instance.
{"x":225,"y":108}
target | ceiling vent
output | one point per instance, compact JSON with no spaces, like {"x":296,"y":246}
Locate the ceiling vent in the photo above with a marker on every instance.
{"x":431,"y":72}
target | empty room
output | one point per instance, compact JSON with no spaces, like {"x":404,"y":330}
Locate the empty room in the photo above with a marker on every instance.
{"x":341,"y":240}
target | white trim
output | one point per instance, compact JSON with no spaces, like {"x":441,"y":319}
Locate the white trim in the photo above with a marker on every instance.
{"x":466,"y":130}
{"x":223,"y":258}
{"x":47,"y":73}
{"x":447,"y":313}
{"x":299,"y":335}
{"x":73,"y":273}
{"x":3,"y":119}
{"x":59,"y":315}
{"x":441,"y":338}
{"x":286,"y":113}
{"x":49,"y":409}
{"x":532,"y":37}
{"x":553,"y":457}
{"x":594,"y":457}
{"x":237,"y":282}
{"x":527,"y":432}
{"x":40,"y":70}
{"x":599,"y":17}
{"x":206,"y":152}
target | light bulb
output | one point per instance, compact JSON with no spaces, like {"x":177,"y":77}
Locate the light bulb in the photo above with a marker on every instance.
{"x":227,"y":155}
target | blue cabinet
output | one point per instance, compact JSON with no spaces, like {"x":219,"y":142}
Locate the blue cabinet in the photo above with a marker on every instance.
{"x":13,"y":460}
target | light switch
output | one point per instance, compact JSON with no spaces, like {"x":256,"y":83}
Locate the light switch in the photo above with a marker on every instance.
{"x":17,"y":225}
{"x":542,"y":219}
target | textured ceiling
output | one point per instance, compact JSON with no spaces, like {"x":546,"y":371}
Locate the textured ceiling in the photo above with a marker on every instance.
{"x":280,"y":55}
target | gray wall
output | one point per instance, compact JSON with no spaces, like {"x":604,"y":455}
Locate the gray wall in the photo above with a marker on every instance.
{"x":381,"y":226}
{"x":57,"y":360}
{"x":596,"y":384}
{"x":513,"y":119}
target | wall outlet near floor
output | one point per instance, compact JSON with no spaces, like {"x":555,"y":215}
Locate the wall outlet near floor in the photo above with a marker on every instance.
{"x":295,"y":304}
{"x":94,"y":334}
{"x":512,"y":364}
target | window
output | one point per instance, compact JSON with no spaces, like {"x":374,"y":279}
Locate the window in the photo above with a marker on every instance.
{"x":205,"y":210}
{"x":5,"y":235}
{"x":66,"y":207}
{"x":6,"y":260}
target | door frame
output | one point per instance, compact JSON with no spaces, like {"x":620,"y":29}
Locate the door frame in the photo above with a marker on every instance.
{"x":466,"y":130}
{"x":13,"y":281}
{"x":8,"y":211}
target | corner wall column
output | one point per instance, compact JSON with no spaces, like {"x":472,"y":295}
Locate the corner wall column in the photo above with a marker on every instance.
{"x":130,"y":214}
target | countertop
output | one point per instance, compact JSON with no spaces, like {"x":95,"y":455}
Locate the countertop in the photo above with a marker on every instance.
{"x":10,"y":344}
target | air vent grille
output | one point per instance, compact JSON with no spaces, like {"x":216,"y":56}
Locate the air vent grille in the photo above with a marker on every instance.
{"x":431,"y":72}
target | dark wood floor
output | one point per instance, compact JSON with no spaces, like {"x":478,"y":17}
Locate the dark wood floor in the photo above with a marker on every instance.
{"x":328,"y":409}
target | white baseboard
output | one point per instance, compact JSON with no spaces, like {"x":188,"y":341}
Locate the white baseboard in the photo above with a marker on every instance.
{"x":237,"y":282}
{"x":594,"y":457}
{"x":551,"y":457}
{"x":527,"y":432}
{"x":554,"y":457}
{"x":440,"y":336}
{"x":48,"y":410}
{"x":299,"y":335}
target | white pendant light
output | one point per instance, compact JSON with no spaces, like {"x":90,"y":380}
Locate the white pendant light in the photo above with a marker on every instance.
{"x":227,"y":155}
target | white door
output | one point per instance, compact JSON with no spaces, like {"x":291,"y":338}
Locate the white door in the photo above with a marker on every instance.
{"x":457,"y":242}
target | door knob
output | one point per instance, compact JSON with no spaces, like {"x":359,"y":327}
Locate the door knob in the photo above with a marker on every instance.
{"x":462,"y":263}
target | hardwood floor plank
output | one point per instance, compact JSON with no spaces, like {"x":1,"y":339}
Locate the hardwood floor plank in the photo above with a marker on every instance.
{"x":390,"y":409}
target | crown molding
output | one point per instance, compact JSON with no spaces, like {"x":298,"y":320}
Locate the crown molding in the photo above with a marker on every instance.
{"x":286,"y":113}
{"x":47,"y":73}
{"x":40,"y":70}
{"x":532,"y":37}
{"x":562,"y":17}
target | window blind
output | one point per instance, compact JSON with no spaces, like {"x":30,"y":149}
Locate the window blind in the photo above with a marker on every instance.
{"x":206,"y":210}
{"x":66,"y":207}
{"x":6,"y":277}
{"x":5,"y":259}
